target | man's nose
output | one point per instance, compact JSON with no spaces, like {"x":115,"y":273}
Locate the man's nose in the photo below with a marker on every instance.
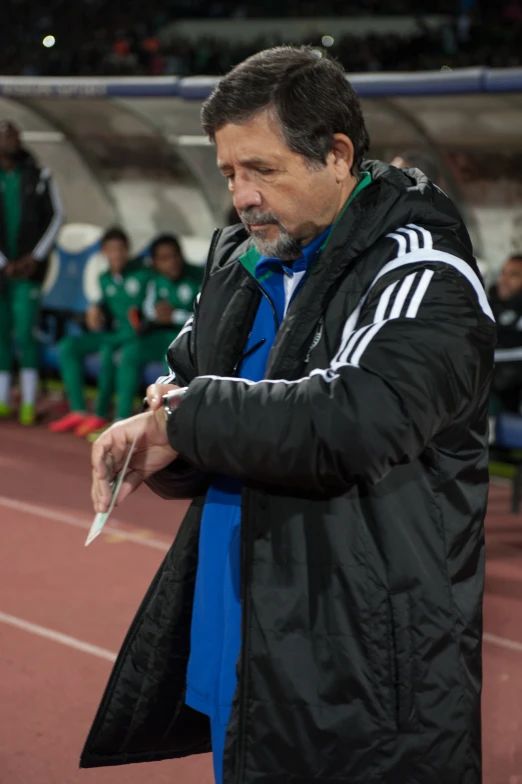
{"x":245,"y":195}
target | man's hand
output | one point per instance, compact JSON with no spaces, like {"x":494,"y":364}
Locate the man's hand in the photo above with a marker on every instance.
{"x":152,"y":453}
{"x":94,"y":318}
{"x":164,"y":311}
{"x":25,"y":267}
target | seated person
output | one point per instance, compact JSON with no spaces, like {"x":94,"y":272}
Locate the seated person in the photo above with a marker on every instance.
{"x":168,"y":304}
{"x":506,"y":303}
{"x":111,"y":323}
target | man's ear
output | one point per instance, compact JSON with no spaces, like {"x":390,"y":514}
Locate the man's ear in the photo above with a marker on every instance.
{"x":343,"y":155}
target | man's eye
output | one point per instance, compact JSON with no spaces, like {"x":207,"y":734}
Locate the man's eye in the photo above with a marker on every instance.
{"x":266,"y":171}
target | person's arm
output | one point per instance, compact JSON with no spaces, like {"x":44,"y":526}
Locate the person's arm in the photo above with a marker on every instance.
{"x":421,"y":355}
{"x":52,"y":214}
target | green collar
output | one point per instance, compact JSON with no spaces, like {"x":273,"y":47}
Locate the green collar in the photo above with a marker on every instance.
{"x":249,"y":260}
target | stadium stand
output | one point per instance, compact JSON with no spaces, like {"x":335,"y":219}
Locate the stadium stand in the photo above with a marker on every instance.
{"x":95,"y":37}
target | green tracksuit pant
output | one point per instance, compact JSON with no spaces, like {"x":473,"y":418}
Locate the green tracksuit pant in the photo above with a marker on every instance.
{"x":135,"y":354}
{"x":19,"y":310}
{"x":122,"y":360}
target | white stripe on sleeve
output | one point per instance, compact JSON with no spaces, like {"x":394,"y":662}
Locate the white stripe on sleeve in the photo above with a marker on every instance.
{"x":364,"y":343}
{"x":413,"y":237}
{"x":403,"y":292}
{"x":427,"y":239}
{"x":380,"y":313}
{"x":342,"y":356}
{"x":420,"y":291}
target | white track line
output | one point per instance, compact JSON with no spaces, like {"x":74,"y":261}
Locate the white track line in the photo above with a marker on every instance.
{"x":502,"y":642}
{"x":60,"y":517}
{"x":63,"y":639}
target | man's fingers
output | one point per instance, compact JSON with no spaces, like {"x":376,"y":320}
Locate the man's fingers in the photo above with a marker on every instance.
{"x":108,"y":453}
{"x":131,"y":483}
{"x":106,"y":458}
{"x":101,"y":493}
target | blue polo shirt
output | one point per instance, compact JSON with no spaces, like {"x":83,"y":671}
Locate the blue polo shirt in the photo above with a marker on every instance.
{"x":216,"y":619}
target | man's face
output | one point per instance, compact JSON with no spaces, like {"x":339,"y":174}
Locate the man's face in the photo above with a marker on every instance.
{"x":510,"y":281}
{"x":117,"y":254}
{"x":9,"y":140}
{"x":283,"y":199}
{"x":167,"y":261}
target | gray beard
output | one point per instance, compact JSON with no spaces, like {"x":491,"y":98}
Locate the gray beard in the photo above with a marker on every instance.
{"x":285,"y":247}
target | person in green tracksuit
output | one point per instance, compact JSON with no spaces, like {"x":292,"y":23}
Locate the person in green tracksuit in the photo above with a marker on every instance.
{"x":112,"y":323}
{"x":168,"y":304}
{"x":30,"y":217}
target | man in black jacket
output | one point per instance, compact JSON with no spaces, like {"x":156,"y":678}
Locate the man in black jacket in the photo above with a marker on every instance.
{"x":30,"y":216}
{"x":506,"y":303}
{"x":330,"y":423}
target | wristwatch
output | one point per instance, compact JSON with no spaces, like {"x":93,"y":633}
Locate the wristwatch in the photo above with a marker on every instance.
{"x":171,"y":400}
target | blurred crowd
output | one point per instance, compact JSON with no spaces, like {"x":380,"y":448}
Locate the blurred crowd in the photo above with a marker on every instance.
{"x":96,"y":37}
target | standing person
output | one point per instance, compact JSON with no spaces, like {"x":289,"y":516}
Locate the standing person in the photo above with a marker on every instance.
{"x":506,"y":302}
{"x":30,"y":216}
{"x":319,"y":616}
{"x":111,"y":323}
{"x":168,"y":304}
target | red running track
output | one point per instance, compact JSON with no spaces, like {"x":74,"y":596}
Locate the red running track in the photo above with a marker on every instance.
{"x":64,"y":610}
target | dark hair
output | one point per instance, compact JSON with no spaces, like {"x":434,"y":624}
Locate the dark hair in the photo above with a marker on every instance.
{"x":309,"y":93}
{"x":515,"y":257}
{"x":115,"y":234}
{"x":165,"y":239}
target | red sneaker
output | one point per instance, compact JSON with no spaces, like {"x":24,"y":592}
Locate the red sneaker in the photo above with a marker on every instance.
{"x":68,"y":422}
{"x":89,"y":425}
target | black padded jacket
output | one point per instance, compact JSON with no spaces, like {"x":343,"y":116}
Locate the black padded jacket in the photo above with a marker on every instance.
{"x":363,"y":456}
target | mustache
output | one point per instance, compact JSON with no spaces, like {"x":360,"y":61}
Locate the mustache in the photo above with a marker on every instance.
{"x":254,"y":217}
